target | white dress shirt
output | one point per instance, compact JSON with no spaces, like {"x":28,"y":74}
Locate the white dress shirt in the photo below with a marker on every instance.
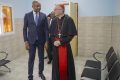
{"x":34,"y":14}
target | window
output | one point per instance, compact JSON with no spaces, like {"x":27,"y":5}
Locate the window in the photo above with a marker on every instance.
{"x":6,"y":22}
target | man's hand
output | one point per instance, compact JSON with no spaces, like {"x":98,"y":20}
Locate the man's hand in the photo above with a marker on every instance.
{"x":57,"y":43}
{"x":46,"y":45}
{"x":27,"y":45}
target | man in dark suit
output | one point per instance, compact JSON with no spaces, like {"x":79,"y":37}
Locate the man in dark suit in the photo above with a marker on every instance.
{"x":35,"y":33}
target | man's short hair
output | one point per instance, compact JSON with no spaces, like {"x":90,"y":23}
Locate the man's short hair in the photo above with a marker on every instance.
{"x":35,"y":1}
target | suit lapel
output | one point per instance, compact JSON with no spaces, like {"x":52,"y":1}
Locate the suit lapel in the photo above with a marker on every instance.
{"x":32,"y":16}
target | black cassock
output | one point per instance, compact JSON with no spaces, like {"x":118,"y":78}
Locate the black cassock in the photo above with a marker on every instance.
{"x":63,"y":67}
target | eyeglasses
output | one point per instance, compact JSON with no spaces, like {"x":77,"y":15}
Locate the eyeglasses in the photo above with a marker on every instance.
{"x":58,"y":9}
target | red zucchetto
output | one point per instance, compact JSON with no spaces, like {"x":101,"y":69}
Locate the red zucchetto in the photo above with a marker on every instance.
{"x":62,"y":6}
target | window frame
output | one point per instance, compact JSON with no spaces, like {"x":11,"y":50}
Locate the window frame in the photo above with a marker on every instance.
{"x":1,"y":29}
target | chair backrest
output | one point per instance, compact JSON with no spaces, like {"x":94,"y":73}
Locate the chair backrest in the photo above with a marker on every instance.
{"x":109,"y":53}
{"x":114,"y":73}
{"x":111,"y":61}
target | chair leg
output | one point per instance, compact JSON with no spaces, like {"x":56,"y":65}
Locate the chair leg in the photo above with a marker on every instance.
{"x":7,"y":68}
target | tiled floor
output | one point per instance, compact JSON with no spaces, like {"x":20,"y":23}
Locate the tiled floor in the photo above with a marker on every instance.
{"x":19,"y":69}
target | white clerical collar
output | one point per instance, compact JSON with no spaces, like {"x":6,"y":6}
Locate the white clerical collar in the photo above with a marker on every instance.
{"x":61,"y":16}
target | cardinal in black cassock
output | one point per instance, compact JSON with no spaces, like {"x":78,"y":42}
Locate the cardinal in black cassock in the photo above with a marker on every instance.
{"x":62,"y":32}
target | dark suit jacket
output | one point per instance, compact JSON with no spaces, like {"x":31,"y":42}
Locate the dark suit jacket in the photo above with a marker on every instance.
{"x":32,"y":32}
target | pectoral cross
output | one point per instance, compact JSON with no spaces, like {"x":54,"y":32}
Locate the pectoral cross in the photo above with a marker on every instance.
{"x":59,"y":35}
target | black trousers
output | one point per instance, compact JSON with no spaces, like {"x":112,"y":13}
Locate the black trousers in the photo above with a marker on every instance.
{"x":50,"y":51}
{"x":32,"y":52}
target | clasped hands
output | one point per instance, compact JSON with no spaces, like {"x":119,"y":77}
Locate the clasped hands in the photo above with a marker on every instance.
{"x":57,"y":43}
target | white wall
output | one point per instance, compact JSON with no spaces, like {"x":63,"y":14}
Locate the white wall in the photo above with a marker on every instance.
{"x":86,"y":7}
{"x":117,"y":7}
{"x":20,"y":7}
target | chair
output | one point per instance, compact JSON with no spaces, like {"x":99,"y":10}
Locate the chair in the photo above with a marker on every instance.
{"x":3,"y":61}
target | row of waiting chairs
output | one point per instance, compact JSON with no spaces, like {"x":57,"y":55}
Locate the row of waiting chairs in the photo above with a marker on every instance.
{"x":4,"y":61}
{"x":92,"y":70}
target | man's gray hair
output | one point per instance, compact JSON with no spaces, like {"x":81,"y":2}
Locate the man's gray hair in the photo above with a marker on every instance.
{"x":35,"y":1}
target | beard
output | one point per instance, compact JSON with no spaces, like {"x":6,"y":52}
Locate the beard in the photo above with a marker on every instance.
{"x":37,"y":10}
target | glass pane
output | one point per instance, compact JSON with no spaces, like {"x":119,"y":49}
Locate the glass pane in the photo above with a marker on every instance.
{"x":0,"y":19}
{"x":7,"y":19}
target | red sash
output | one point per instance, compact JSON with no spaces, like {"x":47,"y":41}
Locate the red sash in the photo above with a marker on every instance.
{"x":62,"y":55}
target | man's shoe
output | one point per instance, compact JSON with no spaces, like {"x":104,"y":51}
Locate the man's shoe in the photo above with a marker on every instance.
{"x":49,"y":62}
{"x":30,"y":77}
{"x":42,"y":76}
{"x":45,"y":57}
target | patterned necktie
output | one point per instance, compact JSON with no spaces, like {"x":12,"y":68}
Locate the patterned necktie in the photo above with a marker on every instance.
{"x":36,"y":19}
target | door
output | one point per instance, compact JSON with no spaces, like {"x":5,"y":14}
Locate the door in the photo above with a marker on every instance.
{"x":73,"y":12}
